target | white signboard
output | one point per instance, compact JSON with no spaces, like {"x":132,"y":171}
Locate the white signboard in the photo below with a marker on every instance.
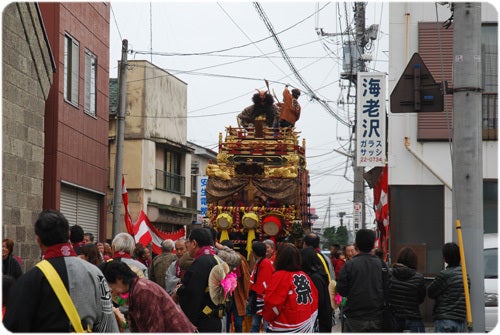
{"x":370,"y":119}
{"x":202,"y":195}
{"x":357,"y":214}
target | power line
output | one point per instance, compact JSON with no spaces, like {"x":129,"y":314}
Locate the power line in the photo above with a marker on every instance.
{"x":116,"y":23}
{"x":292,"y":67}
{"x":231,"y":48}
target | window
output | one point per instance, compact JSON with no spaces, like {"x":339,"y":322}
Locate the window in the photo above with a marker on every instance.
{"x":170,"y":179}
{"x":89,"y":98}
{"x":173,"y":162}
{"x":489,"y":59}
{"x":433,"y":47}
{"x":71,"y":70}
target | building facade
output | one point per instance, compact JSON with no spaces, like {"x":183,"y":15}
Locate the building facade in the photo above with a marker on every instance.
{"x":76,"y":113}
{"x":420,"y":168}
{"x":27,"y":74}
{"x":157,"y":157}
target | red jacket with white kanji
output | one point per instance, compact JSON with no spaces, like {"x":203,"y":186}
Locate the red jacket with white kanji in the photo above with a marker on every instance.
{"x":264,"y":269}
{"x":290,"y":302}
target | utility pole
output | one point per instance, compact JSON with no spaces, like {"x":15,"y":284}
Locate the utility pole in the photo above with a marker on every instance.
{"x":120,"y":136}
{"x":327,"y":213}
{"x":467,"y":160}
{"x":359,"y":183}
{"x":357,"y":64}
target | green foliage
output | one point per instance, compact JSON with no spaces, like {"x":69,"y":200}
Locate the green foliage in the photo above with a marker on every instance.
{"x":336,"y":235}
{"x":341,"y":235}
{"x":329,"y":234}
{"x":296,"y":234}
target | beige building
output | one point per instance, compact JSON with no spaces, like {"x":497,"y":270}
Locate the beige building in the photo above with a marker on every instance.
{"x":157,"y":157}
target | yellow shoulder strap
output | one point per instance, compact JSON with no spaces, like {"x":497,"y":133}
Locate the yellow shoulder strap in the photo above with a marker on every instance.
{"x":325,"y":266}
{"x":62,"y":294}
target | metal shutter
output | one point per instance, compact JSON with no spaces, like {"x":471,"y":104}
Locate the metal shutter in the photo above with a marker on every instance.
{"x":82,"y":208}
{"x":434,"y":42}
{"x":68,"y":203}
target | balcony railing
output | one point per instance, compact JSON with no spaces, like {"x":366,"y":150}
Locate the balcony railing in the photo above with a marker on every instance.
{"x":170,"y":182}
{"x":490,"y":116}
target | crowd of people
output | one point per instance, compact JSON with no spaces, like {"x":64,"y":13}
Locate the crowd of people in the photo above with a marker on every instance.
{"x":200,"y":285}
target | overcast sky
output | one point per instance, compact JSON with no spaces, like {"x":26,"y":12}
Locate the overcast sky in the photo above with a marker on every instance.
{"x":224,"y":51}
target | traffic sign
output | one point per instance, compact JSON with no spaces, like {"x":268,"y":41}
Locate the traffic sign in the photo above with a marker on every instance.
{"x":416,"y":90}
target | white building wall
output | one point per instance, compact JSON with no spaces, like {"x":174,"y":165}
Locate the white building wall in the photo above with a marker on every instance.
{"x":404,"y":168}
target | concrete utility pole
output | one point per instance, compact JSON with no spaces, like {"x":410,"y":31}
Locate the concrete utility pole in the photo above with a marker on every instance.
{"x":359,"y":183}
{"x":120,"y":136}
{"x":467,"y":160}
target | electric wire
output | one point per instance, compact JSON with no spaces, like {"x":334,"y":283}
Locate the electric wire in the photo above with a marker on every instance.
{"x":116,"y":23}
{"x":447,"y":115}
{"x":332,"y":55}
{"x":292,"y":67}
{"x":231,"y":48}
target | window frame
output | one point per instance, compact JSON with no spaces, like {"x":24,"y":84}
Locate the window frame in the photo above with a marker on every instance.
{"x":71,"y":69}
{"x":90,"y":84}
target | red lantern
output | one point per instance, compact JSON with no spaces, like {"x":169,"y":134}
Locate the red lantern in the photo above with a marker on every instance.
{"x":271,"y":225}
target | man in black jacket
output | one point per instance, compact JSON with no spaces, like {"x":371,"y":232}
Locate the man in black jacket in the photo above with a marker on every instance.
{"x":193,"y":295}
{"x":360,"y":281}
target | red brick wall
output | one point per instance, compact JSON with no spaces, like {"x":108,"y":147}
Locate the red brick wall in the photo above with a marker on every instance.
{"x":76,"y":143}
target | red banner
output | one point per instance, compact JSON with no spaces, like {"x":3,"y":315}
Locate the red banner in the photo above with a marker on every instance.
{"x":145,"y":233}
{"x":128,"y":220}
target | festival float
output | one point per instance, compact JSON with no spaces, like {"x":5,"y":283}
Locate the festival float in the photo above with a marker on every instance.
{"x":259,"y":186}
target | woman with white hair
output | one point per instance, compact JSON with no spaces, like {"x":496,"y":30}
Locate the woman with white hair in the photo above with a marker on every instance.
{"x":270,"y":250}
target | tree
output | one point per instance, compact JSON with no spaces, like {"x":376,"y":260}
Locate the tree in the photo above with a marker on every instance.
{"x":329,"y":234}
{"x":341,"y":235}
{"x":336,"y":235}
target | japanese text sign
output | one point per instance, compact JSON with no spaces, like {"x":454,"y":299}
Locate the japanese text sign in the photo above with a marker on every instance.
{"x":370,"y":119}
{"x":202,"y":194}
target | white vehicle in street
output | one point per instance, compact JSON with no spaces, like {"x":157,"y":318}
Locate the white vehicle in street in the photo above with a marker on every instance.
{"x":491,"y":280}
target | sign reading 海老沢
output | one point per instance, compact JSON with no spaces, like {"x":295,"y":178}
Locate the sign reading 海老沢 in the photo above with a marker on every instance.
{"x":370,"y":119}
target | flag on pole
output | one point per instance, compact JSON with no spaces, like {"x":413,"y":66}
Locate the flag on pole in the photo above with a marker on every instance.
{"x":381,"y":204}
{"x":142,"y":233}
{"x":380,"y":198}
{"x":128,"y":220}
{"x":145,"y":233}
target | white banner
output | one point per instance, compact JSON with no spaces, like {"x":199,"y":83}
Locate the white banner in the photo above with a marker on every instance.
{"x":370,"y":119}
{"x":202,"y":195}
{"x":357,"y":215}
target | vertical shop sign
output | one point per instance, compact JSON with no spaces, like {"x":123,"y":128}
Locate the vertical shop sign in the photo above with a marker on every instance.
{"x":370,"y":119}
{"x":202,"y":196}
